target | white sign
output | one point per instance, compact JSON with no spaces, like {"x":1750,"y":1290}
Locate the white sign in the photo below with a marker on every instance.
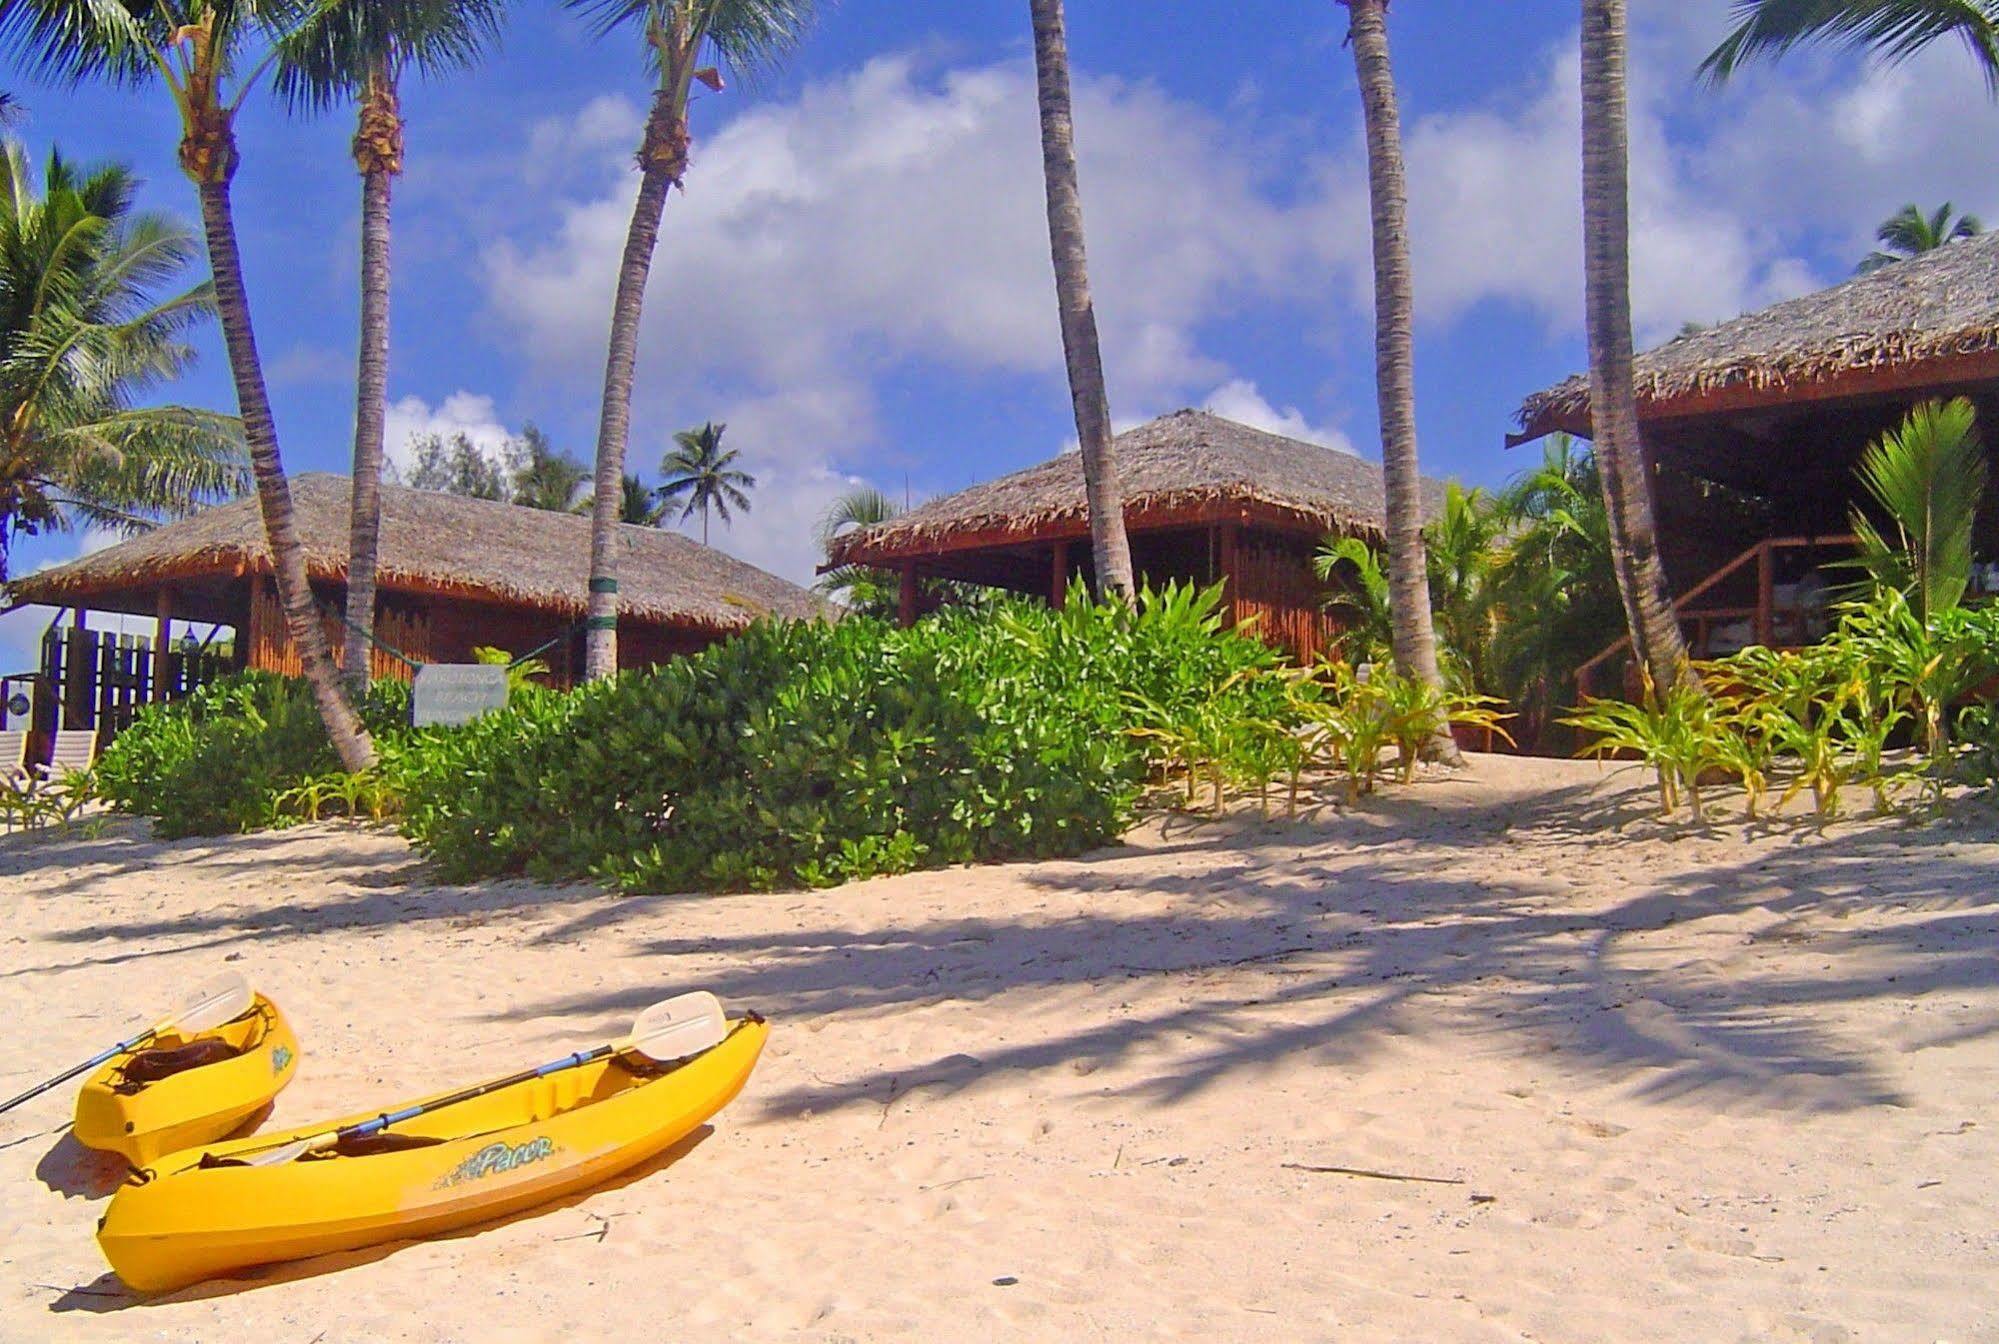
{"x":455,"y":693}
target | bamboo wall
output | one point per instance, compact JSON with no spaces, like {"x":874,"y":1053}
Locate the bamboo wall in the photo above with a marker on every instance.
{"x":400,"y":626}
{"x":438,"y":630}
{"x":1271,"y":583}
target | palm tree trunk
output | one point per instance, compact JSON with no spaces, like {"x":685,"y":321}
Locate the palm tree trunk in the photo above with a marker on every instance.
{"x":662,"y":160}
{"x":274,"y":499}
{"x":1627,"y":496}
{"x":1411,"y":627}
{"x":1109,"y":546}
{"x":378,"y":146}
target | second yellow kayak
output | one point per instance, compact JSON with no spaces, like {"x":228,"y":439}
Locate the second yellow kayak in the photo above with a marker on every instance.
{"x":199,"y":1213}
{"x":177,"y":1092}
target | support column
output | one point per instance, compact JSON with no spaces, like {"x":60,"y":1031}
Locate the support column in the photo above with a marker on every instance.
{"x":1230,"y":538}
{"x":905,"y":609}
{"x":1058,"y":578}
{"x":1766,"y":580}
{"x":163,"y":641}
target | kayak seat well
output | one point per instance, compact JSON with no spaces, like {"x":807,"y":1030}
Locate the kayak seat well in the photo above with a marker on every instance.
{"x":150,"y":1066}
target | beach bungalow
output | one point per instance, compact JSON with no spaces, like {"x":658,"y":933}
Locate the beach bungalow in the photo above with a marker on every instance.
{"x":455,"y":573}
{"x":1205,"y":499}
{"x":1753,"y":427}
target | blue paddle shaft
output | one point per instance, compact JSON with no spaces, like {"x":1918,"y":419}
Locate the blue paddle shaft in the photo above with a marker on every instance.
{"x":382,"y":1122}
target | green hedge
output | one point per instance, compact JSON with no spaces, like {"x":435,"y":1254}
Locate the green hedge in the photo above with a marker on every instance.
{"x":813,"y":753}
{"x":223,"y":759}
{"x":796,"y":753}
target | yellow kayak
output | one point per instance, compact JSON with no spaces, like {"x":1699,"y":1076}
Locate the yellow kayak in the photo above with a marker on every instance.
{"x":198,"y":1214}
{"x":178,"y":1091}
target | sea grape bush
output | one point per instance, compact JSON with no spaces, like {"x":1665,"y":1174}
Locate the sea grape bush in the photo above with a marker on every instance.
{"x":811,"y":754}
{"x":804,"y":753}
{"x":229,"y":756}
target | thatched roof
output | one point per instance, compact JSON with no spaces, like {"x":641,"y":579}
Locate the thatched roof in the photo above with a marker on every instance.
{"x":448,"y":545}
{"x":1174,"y":469}
{"x":1937,"y":306}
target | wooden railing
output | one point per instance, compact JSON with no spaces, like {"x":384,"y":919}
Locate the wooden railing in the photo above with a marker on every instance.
{"x":1771,"y":623}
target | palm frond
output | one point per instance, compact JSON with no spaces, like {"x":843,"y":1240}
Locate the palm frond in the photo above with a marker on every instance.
{"x":1892,"y":30}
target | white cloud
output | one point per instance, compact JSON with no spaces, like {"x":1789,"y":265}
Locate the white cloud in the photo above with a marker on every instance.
{"x":1239,"y":400}
{"x":472,"y":414}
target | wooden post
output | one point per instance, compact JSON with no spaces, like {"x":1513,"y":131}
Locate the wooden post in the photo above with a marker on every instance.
{"x":1766,"y":581}
{"x":1230,"y":539}
{"x":163,"y":643}
{"x":1058,"y":578}
{"x":905,"y":608}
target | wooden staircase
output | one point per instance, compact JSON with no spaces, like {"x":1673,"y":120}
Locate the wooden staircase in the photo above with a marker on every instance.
{"x":1776,"y":616}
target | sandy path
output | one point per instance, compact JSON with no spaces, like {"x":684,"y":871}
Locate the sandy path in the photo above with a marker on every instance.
{"x":1720,"y":1085}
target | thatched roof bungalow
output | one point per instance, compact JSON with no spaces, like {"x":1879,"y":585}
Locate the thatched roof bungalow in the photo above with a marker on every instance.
{"x":1205,"y":499}
{"x":1752,"y":427}
{"x":455,"y":573}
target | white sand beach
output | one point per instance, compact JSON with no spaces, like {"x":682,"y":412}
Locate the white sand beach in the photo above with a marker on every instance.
{"x":1494,"y":1057}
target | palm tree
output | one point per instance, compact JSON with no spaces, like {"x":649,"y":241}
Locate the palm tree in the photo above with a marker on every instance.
{"x":1927,"y":478}
{"x":1620,"y":456}
{"x":861,"y":589}
{"x":1415,"y":639}
{"x":544,"y":477}
{"x":1363,"y":593}
{"x":1912,"y":233}
{"x":1891,"y":29}
{"x":681,"y":37}
{"x":1463,"y":543}
{"x":638,"y":503}
{"x":1555,"y":588}
{"x":361,"y":52}
{"x":706,"y":475}
{"x":1110,"y":550}
{"x":197,"y":48}
{"x":82,"y":334}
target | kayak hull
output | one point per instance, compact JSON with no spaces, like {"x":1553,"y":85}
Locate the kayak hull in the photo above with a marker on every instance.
{"x":188,"y":1219}
{"x":142,"y":1121}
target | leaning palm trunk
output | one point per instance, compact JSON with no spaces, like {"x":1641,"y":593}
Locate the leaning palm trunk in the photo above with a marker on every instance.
{"x":1412,"y":631}
{"x":378,"y":153}
{"x":1641,"y":579}
{"x":1111,"y":551}
{"x":208,"y":156}
{"x":662,"y":162}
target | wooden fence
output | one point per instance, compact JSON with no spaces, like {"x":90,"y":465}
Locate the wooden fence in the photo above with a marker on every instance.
{"x":99,"y":679}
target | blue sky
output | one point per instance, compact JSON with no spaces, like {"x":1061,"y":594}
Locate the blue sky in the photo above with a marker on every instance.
{"x":856,"y":277}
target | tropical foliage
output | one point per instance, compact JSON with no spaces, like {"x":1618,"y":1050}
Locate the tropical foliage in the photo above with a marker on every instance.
{"x":85,"y":331}
{"x":808,"y":753}
{"x":1521,"y":587}
{"x":1893,"y":30}
{"x":1818,"y":719}
{"x":1912,"y":233}
{"x":702,"y":476}
{"x":207,"y":57}
{"x":233,"y":756}
{"x":814,"y":753}
{"x":862,"y":589}
{"x":1927,"y":479}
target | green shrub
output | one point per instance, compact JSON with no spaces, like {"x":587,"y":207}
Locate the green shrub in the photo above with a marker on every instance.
{"x":228,"y":757}
{"x":812,"y":753}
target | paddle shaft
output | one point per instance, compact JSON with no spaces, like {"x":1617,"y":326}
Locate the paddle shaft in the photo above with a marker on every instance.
{"x":383,"y":1121}
{"x":87,"y":1064}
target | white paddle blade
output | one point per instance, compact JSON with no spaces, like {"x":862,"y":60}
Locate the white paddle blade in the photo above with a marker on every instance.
{"x":678,"y":1027}
{"x":210,"y":1004}
{"x":277,"y":1157}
